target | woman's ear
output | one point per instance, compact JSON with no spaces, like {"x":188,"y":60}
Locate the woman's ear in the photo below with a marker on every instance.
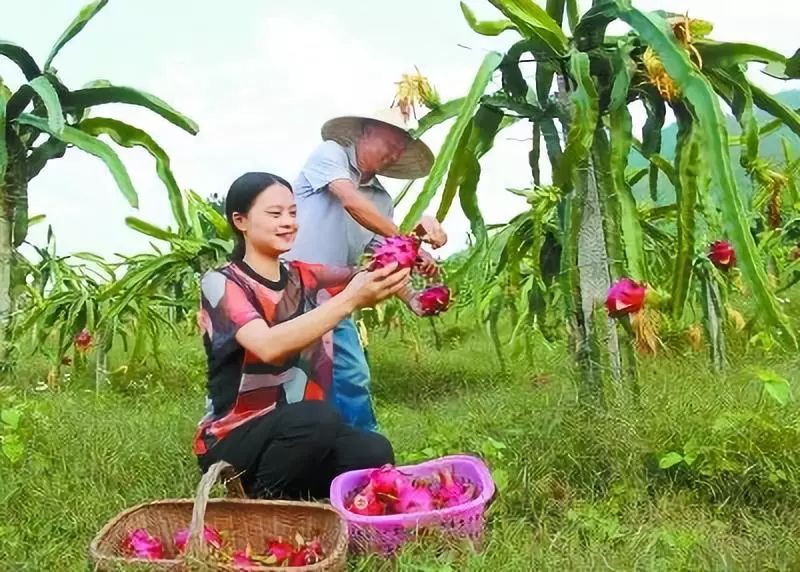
{"x":240,"y":221}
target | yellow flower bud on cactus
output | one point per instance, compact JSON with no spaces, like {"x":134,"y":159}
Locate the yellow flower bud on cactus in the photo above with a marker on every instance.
{"x":412,"y":90}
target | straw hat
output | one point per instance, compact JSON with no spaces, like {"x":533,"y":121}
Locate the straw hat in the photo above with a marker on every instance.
{"x":416,"y":160}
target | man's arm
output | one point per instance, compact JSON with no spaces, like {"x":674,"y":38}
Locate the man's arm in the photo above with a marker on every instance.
{"x":410,"y":298}
{"x":363,"y":211}
{"x":329,"y":168}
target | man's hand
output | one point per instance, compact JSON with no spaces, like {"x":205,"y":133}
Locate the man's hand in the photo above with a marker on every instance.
{"x":429,"y":230}
{"x":426,"y":264}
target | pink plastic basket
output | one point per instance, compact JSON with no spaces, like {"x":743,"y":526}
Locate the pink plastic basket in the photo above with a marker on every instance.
{"x":385,"y":534}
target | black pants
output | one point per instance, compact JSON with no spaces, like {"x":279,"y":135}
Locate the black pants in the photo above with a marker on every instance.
{"x":296,"y":451}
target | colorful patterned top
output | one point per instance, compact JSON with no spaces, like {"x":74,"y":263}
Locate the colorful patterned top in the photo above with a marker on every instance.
{"x":241,"y":387}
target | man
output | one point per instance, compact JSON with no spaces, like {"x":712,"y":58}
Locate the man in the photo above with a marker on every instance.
{"x":343,"y":211}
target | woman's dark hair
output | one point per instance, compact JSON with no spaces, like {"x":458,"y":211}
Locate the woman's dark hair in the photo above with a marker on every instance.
{"x":240,"y":199}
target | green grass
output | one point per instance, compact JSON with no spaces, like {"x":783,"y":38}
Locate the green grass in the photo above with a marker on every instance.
{"x":579,"y":489}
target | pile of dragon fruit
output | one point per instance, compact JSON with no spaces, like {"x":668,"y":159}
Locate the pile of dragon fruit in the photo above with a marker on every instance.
{"x":404,"y":250}
{"x":390,"y":491}
{"x":141,"y":544}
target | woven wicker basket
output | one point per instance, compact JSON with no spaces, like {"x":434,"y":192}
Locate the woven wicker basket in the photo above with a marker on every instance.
{"x":245,"y":521}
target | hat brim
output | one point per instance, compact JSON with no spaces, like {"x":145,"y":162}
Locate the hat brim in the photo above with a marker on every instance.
{"x":415,"y":162}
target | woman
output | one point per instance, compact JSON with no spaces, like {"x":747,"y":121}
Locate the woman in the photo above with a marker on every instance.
{"x":269,"y":353}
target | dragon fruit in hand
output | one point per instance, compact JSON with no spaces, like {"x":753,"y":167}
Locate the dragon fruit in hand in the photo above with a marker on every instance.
{"x":400,"y":249}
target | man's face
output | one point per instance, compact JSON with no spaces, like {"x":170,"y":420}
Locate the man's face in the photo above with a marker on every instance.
{"x":379,"y":147}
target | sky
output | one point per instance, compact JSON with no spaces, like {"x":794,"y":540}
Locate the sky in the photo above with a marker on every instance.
{"x":260,"y":77}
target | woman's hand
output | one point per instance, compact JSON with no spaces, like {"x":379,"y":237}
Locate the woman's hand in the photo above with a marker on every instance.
{"x":279,"y":343}
{"x":368,"y":288}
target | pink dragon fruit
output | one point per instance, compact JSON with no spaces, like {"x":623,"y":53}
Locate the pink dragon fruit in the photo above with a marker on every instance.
{"x":414,"y":499}
{"x":452,"y":492}
{"x":389,"y":491}
{"x":305,"y":556}
{"x":280,"y":549}
{"x":305,"y":552}
{"x":315,"y":547}
{"x":142,"y":544}
{"x":722,"y":255}
{"x":210,"y":536}
{"x":401,"y":249}
{"x":625,"y":296}
{"x":242,"y":560}
{"x":387,"y":480}
{"x":366,"y":503}
{"x":83,"y":340}
{"x":434,"y":300}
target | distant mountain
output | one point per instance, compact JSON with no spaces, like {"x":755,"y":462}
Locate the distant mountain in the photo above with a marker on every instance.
{"x":770,"y":148}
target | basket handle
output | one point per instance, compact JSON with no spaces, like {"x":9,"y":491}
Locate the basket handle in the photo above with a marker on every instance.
{"x":195,"y":545}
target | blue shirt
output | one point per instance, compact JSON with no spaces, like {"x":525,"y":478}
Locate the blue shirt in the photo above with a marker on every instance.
{"x":327,"y":233}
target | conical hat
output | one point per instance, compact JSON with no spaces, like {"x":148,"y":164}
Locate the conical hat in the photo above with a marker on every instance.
{"x":416,"y":160}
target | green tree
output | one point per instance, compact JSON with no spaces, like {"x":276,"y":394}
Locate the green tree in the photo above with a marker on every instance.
{"x":41,"y":119}
{"x":603,"y":233}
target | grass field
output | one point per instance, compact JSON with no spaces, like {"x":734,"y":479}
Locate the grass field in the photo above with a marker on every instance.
{"x":579,"y":489}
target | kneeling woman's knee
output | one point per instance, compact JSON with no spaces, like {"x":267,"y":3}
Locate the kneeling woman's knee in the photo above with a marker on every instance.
{"x":322,"y":418}
{"x":377,"y":450}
